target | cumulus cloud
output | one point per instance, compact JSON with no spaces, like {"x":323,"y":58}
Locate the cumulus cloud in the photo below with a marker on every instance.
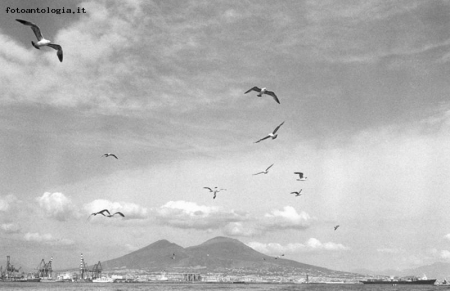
{"x":7,"y":202}
{"x":183,"y":214}
{"x":57,"y":205}
{"x":311,"y":245}
{"x":130,"y":210}
{"x":46,"y":239}
{"x":287,"y":218}
{"x":239,"y":229}
{"x":10,"y":228}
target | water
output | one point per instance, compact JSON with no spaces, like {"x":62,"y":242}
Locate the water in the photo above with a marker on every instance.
{"x":214,"y":286}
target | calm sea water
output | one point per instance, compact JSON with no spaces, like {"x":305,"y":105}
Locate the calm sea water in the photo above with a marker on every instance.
{"x":187,"y":286}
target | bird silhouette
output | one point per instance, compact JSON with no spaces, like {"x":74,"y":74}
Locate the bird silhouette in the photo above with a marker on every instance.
{"x":110,"y":155}
{"x":297,"y":193}
{"x":41,"y":40}
{"x":264,"y":91}
{"x":272,"y":135}
{"x":301,"y":177}
{"x":214,"y":191}
{"x":266,"y":171}
{"x":336,"y":227}
{"x":102,"y":212}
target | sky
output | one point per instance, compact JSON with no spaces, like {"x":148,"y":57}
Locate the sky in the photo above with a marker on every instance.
{"x":364,"y":95}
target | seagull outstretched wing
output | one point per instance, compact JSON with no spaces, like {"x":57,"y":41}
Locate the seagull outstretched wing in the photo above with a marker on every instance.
{"x":273,"y":95}
{"x":210,"y":190}
{"x":120,"y":213}
{"x":253,"y":89}
{"x":34,"y":27}
{"x":269,"y":167}
{"x":262,"y":139}
{"x":300,"y":174}
{"x":59,"y":52}
{"x":278,"y":127}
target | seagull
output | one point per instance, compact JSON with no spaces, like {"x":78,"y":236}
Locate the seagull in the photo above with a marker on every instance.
{"x":336,"y":227}
{"x":102,"y":212}
{"x":120,"y":213}
{"x":110,"y":155}
{"x":301,"y":178}
{"x":273,"y":134}
{"x":264,"y":91}
{"x":264,"y":172}
{"x":297,"y":193}
{"x":41,"y":40}
{"x":215,"y":191}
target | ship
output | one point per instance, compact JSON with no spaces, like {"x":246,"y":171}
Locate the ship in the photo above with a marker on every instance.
{"x":402,"y":281}
{"x":103,"y":280}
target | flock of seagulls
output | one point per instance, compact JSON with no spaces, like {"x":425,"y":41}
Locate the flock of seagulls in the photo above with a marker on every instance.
{"x":261,"y":91}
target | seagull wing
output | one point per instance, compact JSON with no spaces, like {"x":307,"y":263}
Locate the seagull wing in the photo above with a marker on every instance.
{"x":258,"y":173}
{"x":253,"y":89}
{"x":299,"y":173}
{"x":114,"y":156}
{"x":269,"y":167}
{"x":278,"y":127}
{"x":120,"y":213}
{"x":210,"y":190}
{"x":34,"y":27}
{"x":59,"y":52}
{"x":102,"y":212}
{"x":262,"y":139}
{"x":273,"y":95}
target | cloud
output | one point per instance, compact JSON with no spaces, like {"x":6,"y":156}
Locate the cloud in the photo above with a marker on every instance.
{"x":239,"y":229}
{"x":130,"y":210}
{"x":287,"y":218}
{"x":447,"y":236}
{"x":57,"y":205}
{"x":445,"y":254}
{"x":47,"y":239}
{"x":7,"y":202}
{"x":183,"y":214}
{"x":10,"y":228}
{"x":311,"y":245}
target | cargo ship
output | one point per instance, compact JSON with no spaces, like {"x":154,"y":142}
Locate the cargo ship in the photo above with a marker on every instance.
{"x":401,"y":281}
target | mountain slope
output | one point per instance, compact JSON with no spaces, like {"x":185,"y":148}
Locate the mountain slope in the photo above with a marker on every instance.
{"x":220,"y":254}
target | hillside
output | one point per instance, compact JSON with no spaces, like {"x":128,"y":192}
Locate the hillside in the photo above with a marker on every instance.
{"x":220,"y":254}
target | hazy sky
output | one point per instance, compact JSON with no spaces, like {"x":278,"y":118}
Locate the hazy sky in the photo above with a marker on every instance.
{"x":364,"y":89}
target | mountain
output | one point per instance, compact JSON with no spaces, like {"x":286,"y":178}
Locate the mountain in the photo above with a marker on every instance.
{"x":220,"y":254}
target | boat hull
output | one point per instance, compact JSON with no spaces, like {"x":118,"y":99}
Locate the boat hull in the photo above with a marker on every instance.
{"x":401,"y":282}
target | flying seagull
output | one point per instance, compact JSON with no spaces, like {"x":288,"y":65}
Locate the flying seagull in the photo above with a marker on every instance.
{"x":215,"y":191}
{"x":120,"y":213}
{"x":102,"y":212}
{"x":264,"y":91}
{"x":297,"y":193}
{"x":266,"y":171}
{"x":273,"y":134}
{"x":41,"y":40}
{"x":336,"y":227}
{"x":110,"y":155}
{"x":301,"y":178}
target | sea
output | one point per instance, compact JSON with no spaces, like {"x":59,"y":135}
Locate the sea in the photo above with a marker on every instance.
{"x":213,"y":286}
